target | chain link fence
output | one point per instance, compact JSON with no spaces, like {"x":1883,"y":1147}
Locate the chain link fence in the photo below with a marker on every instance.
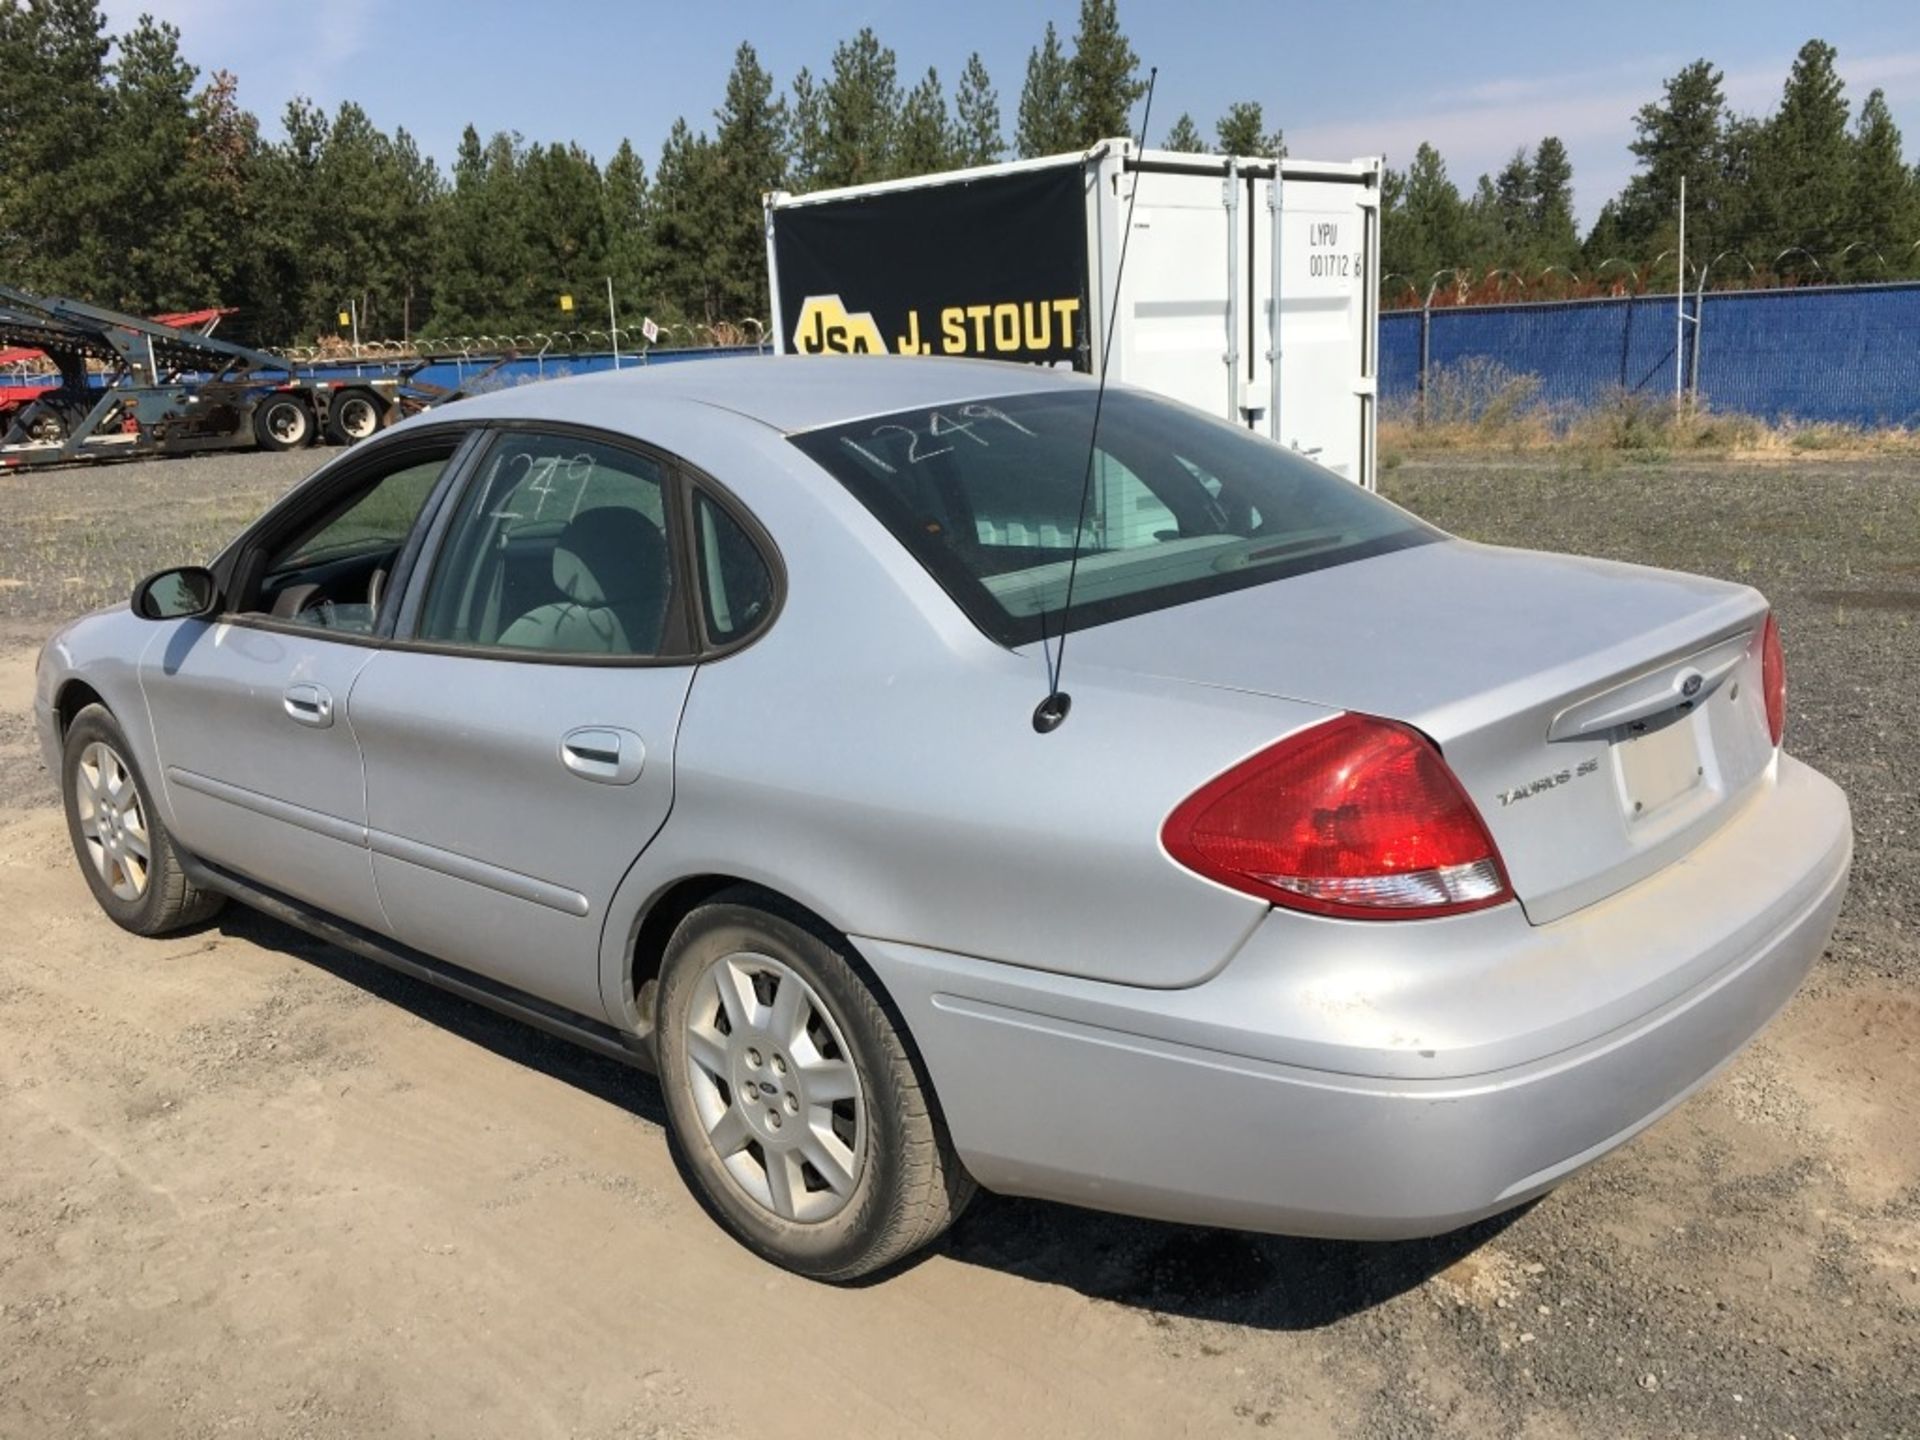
{"x":1847,"y":354}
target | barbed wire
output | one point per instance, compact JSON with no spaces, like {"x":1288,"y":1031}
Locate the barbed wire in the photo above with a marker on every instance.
{"x":480,"y":346}
{"x":668,"y":335}
{"x":1464,"y":285}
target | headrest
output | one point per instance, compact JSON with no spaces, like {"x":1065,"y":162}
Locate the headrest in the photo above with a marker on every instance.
{"x":609,"y":555}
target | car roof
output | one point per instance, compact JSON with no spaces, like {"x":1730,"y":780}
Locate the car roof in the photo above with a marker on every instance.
{"x":788,"y":393}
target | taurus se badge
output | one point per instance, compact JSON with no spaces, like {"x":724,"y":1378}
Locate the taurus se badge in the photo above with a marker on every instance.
{"x":1547,"y":782}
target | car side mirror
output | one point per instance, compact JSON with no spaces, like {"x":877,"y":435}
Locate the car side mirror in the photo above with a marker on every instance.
{"x":180,"y":594}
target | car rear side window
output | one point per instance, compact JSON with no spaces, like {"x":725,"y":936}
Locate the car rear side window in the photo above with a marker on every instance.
{"x":559,"y":547}
{"x":1171,"y":506}
{"x":736,"y":587}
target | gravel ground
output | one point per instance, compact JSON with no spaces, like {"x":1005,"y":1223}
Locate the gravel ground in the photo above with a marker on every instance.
{"x":237,"y":1196}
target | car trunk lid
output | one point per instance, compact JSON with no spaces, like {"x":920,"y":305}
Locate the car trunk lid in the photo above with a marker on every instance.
{"x":1603,"y":717}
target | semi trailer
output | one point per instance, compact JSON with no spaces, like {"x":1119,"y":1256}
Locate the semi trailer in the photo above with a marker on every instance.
{"x":128,"y":387}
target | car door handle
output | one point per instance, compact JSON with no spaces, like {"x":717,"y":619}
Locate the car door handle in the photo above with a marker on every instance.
{"x":309,"y":704}
{"x":612,"y":757}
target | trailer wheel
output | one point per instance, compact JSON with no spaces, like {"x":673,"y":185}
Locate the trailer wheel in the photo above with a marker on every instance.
{"x":42,"y":423}
{"x":355,"y":414}
{"x":283,"y":422}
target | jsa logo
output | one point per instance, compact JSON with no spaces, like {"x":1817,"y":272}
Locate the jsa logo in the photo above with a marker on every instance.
{"x":826,"y":328}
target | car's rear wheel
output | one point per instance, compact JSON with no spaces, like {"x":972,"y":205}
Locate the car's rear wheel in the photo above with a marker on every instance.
{"x":123,"y":847}
{"x":793,"y":1098}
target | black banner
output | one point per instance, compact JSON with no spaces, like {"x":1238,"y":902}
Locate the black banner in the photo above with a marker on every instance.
{"x":994,"y":268}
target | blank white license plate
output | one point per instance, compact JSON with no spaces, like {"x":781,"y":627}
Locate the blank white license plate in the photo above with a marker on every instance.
{"x":1659,"y":767}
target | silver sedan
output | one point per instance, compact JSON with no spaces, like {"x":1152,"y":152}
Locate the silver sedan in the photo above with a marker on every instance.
{"x":938,"y":790}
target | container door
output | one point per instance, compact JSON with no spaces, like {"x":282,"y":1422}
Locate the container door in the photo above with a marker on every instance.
{"x":1182,"y":313}
{"x":1327,"y":277}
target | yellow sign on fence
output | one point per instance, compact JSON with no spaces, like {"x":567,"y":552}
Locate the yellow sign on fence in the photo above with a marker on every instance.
{"x":566,"y":303}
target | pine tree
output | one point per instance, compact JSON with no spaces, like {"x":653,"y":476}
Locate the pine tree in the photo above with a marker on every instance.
{"x":1101,"y":82}
{"x":976,"y":131}
{"x":1482,"y":238}
{"x":55,"y":174}
{"x":1243,"y":131}
{"x":1681,"y":135}
{"x":1185,"y":137}
{"x":626,"y":203}
{"x":860,"y":108}
{"x":343,"y":271}
{"x":1433,"y":221}
{"x":749,"y":159}
{"x":224,"y":167}
{"x":806,"y":133}
{"x":1046,"y":114}
{"x":1885,"y":206}
{"x":286,"y":218}
{"x":1511,"y":215}
{"x":149,"y":243}
{"x":682,"y":218}
{"x":488,"y":279}
{"x":415,"y":194}
{"x":1803,"y":176}
{"x":1605,"y":241}
{"x":566,"y":239}
{"x":1740,"y":212}
{"x":923,"y":143}
{"x":1555,"y":240}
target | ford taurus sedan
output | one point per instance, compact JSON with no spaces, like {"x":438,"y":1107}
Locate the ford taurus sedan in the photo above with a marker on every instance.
{"x":1372,"y":881}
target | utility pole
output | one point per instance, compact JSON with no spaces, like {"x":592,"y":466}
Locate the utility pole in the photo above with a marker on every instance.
{"x":613,"y":324}
{"x":1680,"y":307}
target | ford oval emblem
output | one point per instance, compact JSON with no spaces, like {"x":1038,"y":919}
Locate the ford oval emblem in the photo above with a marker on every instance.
{"x":1690,"y":687}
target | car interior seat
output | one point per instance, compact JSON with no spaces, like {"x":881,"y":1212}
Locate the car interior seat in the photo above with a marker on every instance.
{"x":611,"y":565}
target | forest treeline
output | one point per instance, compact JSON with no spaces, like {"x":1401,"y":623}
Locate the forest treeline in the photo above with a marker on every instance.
{"x":128,"y":177}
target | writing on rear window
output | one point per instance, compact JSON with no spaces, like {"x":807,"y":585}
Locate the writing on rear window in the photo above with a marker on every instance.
{"x":1007,"y":501}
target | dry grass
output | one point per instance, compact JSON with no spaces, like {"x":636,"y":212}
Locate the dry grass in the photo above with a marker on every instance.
{"x":1481,"y":405}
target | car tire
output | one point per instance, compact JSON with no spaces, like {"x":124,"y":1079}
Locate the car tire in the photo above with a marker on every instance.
{"x":110,"y":818}
{"x":868,"y":1178}
{"x":356,"y":414}
{"x":282,"y":422}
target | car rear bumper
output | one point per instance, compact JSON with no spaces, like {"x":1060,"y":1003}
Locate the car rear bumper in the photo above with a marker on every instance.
{"x":1400,"y":1107}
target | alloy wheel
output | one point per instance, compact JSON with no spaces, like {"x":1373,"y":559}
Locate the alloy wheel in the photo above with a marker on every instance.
{"x":775,"y":1088}
{"x":112,"y":822}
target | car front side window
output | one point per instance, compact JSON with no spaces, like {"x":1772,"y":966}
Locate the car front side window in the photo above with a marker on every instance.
{"x":331,"y":572}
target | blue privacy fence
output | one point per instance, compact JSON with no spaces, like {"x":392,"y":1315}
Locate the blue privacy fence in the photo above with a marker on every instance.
{"x":1848,"y":353}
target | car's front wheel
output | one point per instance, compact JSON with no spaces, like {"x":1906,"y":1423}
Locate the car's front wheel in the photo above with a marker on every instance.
{"x":794,"y":1100}
{"x":123,"y":847}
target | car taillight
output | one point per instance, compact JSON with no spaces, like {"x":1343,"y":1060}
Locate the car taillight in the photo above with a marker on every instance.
{"x":1773,"y":678}
{"x":1357,"y":817}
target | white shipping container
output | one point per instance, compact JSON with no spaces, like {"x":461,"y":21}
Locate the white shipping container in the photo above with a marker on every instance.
{"x":979,"y":262}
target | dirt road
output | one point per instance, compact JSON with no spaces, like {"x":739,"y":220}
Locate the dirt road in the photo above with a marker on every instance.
{"x":253,"y":1186}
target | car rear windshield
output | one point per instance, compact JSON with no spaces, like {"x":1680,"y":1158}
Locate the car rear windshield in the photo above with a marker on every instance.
{"x":987,"y":495}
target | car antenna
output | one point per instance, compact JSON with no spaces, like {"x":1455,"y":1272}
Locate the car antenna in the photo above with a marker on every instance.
{"x":1049,"y":713}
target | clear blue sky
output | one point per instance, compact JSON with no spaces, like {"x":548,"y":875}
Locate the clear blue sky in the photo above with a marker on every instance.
{"x":1342,"y":78}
